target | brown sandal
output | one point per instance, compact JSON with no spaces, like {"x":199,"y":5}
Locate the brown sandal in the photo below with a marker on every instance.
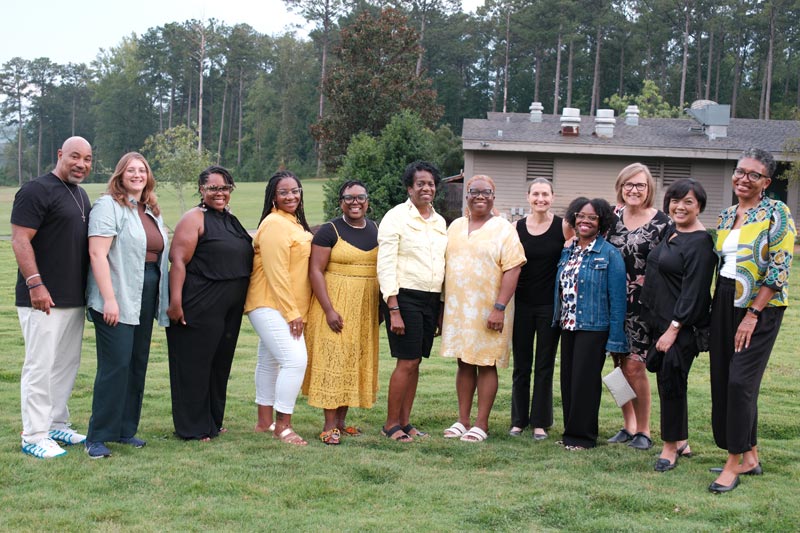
{"x":290,"y":437}
{"x":350,"y":431}
{"x":330,"y":437}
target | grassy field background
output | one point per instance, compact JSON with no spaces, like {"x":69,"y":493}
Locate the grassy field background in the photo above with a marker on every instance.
{"x":250,"y":482}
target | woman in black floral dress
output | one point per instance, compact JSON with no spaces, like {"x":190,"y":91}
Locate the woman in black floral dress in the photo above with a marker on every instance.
{"x":638,"y":229}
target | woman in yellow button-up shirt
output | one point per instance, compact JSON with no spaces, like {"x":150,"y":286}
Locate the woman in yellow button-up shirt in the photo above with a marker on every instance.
{"x":277,"y":304}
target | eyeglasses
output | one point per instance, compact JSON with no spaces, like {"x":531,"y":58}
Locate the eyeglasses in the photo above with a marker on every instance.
{"x":638,"y":186}
{"x":218,"y":188}
{"x":752,"y":176}
{"x":283,"y":193}
{"x":475,"y":193}
{"x":352,"y":198}
{"x":583,"y":216}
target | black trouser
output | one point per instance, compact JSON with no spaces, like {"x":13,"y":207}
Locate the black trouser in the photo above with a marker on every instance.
{"x":736,"y":376}
{"x":122,"y":354}
{"x":533,"y":321}
{"x":672,"y":381}
{"x":201,"y":354}
{"x":582,"y":356}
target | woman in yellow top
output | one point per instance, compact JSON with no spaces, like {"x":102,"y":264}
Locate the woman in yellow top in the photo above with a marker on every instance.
{"x":484,"y":258}
{"x":342,"y":332}
{"x":755,"y":239}
{"x":277,"y":304}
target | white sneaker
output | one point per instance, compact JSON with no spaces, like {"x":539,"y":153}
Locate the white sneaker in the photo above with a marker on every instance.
{"x":66,"y":436}
{"x":46,"y":448}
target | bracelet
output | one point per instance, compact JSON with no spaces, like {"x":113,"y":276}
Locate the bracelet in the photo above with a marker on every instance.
{"x":395,"y":308}
{"x":31,"y":277}
{"x":30,"y":287}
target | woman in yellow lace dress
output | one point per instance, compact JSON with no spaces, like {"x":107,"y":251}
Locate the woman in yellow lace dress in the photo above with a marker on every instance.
{"x":342,"y":330}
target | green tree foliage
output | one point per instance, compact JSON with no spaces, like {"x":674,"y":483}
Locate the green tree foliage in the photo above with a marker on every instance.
{"x":792,"y":147}
{"x":379,"y":161}
{"x":175,"y":160}
{"x":373,"y":79}
{"x":649,"y":100}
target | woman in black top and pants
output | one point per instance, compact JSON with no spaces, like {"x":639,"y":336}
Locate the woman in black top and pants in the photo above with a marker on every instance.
{"x":677,"y":299}
{"x":542,"y":235}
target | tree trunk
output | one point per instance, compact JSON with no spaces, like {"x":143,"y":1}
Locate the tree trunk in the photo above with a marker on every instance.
{"x":171,"y":103}
{"x":421,"y":52}
{"x":762,"y":100}
{"x":621,"y":68}
{"x":239,"y":139}
{"x":737,"y":73}
{"x":710,"y":61}
{"x":649,"y":60}
{"x":189,"y":105}
{"x":323,"y":70}
{"x":222,"y":117}
{"x":505,"y":69}
{"x":537,"y":75}
{"x":558,"y":75}
{"x":39,"y":148}
{"x":200,"y":92}
{"x":698,"y":75}
{"x":718,"y":63}
{"x":74,"y":106}
{"x":569,"y":74}
{"x":682,"y":96}
{"x":768,"y":88}
{"x":596,"y":80}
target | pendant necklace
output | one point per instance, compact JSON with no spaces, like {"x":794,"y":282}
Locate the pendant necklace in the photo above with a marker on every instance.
{"x":352,"y":226}
{"x":81,"y":206}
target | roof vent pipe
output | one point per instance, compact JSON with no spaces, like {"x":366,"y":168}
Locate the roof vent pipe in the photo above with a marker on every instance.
{"x":570,"y":121}
{"x":536,"y":111}
{"x":632,"y":115}
{"x":604,"y":123}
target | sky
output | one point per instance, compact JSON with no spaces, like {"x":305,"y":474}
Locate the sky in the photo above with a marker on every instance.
{"x":76,"y":31}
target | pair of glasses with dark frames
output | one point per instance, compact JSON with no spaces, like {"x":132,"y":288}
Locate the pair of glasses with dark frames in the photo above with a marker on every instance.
{"x":218,"y":188}
{"x":352,"y":198}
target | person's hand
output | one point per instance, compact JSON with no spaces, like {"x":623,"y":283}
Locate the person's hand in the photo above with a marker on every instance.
{"x":744,"y":332}
{"x":396,"y":324}
{"x":666,"y":340}
{"x":496,"y":320}
{"x":111,"y":312}
{"x":175,"y":313}
{"x":439,"y":321}
{"x":41,"y":299}
{"x":296,"y":328}
{"x":334,"y":321}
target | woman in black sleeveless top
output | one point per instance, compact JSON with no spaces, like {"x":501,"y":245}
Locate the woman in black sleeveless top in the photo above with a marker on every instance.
{"x":212,"y":257}
{"x":542,"y":235}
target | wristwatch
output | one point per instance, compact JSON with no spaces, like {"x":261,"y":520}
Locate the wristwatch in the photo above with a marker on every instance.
{"x":675,"y":324}
{"x":756,"y":312}
{"x":499,"y":307}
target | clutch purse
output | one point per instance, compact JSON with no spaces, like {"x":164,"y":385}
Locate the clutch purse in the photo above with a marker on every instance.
{"x":618,"y":387}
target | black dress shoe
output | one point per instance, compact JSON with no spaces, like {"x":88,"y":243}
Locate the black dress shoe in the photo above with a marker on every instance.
{"x":621,"y":437}
{"x":663,"y":465}
{"x":755,"y":471}
{"x":716,"y":488}
{"x":640,"y":441}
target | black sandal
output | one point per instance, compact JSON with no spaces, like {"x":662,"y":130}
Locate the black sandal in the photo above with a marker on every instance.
{"x":394,"y":430}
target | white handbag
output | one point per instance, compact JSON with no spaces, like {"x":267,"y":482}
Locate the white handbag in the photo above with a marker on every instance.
{"x":618,"y":387}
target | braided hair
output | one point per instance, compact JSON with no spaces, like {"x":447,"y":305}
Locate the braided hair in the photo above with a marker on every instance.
{"x":272,"y":190}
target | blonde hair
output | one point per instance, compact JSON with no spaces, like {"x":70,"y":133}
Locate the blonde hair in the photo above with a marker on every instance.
{"x":487,"y":179}
{"x":630,"y":171}
{"x":117,"y":191}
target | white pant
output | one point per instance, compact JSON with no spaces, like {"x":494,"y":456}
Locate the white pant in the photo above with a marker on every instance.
{"x":281,"y":362}
{"x":52,"y":357}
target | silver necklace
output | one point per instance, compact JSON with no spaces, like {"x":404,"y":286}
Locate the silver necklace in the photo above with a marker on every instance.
{"x":81,"y":206}
{"x":352,"y":226}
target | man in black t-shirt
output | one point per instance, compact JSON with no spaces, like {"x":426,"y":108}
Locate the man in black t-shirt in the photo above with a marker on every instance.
{"x":49,"y":226}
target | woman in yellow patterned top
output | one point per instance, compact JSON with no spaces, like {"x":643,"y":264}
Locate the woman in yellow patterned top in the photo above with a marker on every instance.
{"x":342,"y":330}
{"x":483,"y":261}
{"x":755,"y":239}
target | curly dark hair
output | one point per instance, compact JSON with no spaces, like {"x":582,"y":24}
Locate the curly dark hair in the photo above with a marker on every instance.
{"x":601,"y":207}
{"x":681,"y":188}
{"x":272,"y":189}
{"x":351,"y":183}
{"x":202,"y":179}
{"x":417,"y":166}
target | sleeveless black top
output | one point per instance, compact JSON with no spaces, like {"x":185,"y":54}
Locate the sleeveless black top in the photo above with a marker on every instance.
{"x":224,"y":251}
{"x":537,"y":280}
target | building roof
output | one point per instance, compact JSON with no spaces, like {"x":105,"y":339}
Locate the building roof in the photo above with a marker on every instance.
{"x":653,"y":137}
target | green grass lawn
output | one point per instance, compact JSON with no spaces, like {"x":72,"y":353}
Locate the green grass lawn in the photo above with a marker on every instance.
{"x":247,"y":201}
{"x":250,"y":482}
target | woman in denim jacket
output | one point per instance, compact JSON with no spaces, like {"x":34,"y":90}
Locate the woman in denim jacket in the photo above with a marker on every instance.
{"x":590,"y":310}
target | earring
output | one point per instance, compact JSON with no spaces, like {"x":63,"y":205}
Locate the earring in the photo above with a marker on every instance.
{"x":274,"y":205}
